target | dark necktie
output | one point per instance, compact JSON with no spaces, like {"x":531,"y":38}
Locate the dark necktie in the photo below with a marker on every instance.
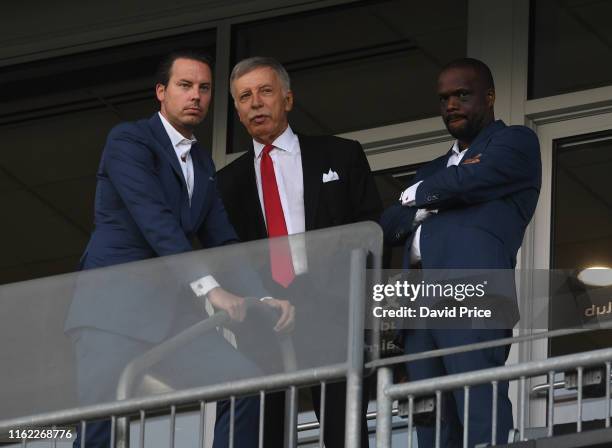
{"x":280,"y":251}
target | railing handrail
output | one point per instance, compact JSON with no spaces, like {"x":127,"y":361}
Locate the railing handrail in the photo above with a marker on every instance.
{"x":208,"y":393}
{"x":514,"y":371}
{"x":385,"y":362}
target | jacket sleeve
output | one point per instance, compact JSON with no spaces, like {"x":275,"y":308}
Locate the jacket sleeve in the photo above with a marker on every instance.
{"x":397,"y":224}
{"x":510,"y":163}
{"x":130,"y":166}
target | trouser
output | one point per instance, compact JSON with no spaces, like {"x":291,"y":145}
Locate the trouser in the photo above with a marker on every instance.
{"x":480,"y":404}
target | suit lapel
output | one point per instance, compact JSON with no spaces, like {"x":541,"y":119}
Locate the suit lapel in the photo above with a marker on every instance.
{"x":481,"y":139}
{"x":312,"y":170}
{"x":252,"y":202}
{"x":167,"y":150}
{"x":201,"y":184}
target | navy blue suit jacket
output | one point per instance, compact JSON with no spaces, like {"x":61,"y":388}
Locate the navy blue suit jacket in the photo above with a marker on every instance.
{"x":142,"y":211}
{"x":484,"y":206}
{"x":142,"y":206}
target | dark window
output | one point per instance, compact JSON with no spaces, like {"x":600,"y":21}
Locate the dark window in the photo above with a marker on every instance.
{"x":358,"y":66}
{"x":581,"y":229}
{"x":570,"y":46}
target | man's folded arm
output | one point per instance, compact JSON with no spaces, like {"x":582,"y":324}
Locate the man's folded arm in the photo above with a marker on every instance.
{"x":510,"y":163}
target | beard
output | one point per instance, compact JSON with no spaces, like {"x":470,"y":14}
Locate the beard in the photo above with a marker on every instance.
{"x":467,"y":131}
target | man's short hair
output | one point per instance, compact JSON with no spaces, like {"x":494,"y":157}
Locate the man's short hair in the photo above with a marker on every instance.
{"x":164,"y":70}
{"x":482,"y":70}
{"x":248,"y":65}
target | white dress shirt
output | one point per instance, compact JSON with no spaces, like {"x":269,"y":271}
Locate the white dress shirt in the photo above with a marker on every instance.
{"x":408,"y":198}
{"x":182,"y":148}
{"x":287,"y":160}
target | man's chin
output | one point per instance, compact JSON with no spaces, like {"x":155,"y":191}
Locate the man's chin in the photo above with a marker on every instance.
{"x":461,"y":133}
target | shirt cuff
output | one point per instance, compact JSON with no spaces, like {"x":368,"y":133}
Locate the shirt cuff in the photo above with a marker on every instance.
{"x":408,"y":196}
{"x":204,"y":285}
{"x":263,"y":299}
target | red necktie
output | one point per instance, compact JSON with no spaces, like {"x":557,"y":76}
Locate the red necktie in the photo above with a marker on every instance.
{"x":280,"y":251}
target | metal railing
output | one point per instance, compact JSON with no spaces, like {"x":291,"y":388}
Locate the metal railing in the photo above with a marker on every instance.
{"x":416,"y":392}
{"x":119,"y":412}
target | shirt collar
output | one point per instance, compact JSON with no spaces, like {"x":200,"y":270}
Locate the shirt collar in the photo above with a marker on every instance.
{"x":176,"y":138}
{"x":456,"y":149}
{"x":285,"y":141}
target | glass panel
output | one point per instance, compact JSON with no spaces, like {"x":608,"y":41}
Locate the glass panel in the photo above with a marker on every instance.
{"x":137,"y":329}
{"x":357,"y":66}
{"x":582,"y":223}
{"x":56,"y":115}
{"x":571,"y":46}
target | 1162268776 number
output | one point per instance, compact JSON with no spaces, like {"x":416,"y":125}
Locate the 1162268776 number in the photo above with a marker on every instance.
{"x":40,"y":434}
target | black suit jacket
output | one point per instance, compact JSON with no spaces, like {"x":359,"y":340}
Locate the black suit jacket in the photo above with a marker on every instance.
{"x":352,"y":198}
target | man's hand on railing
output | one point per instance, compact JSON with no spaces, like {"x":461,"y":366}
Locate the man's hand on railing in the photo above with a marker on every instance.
{"x":286,"y":322}
{"x":226,"y":301}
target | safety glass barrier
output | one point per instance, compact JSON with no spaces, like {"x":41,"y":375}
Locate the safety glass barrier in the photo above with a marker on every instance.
{"x":145,"y":328}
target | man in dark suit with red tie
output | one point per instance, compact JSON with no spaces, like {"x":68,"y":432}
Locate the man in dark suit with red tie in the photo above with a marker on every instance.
{"x":287,"y":184}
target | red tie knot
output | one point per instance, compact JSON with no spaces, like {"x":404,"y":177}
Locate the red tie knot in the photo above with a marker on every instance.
{"x":267,"y":149}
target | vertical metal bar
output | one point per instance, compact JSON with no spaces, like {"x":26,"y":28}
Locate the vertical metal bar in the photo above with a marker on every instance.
{"x":579,"y":404}
{"x":551,"y":402}
{"x":522,"y":410}
{"x":142,"y":428}
{"x":202,"y":423}
{"x":410,"y":419}
{"x":384,"y":378}
{"x":322,"y":414}
{"x":83,"y":434}
{"x":291,"y":417}
{"x":172,"y":426}
{"x":262,"y":413}
{"x":221,"y":98}
{"x":24,"y":443}
{"x":356,"y":332}
{"x":438,"y":417}
{"x":123,"y":432}
{"x":113,"y":435}
{"x":608,"y":394}
{"x":466,"y":415}
{"x":232,"y":427}
{"x":494,"y":385}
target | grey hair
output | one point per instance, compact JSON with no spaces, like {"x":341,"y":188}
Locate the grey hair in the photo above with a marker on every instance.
{"x":248,"y":65}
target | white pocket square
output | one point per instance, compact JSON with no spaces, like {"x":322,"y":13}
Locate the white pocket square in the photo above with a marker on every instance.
{"x":330,"y":176}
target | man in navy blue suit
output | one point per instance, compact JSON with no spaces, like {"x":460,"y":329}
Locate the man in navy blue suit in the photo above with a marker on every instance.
{"x":467,"y":210}
{"x":156,"y":195}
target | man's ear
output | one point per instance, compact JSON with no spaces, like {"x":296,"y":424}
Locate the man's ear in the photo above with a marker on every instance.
{"x":288,"y":101}
{"x":490,"y":98}
{"x":160,"y":91}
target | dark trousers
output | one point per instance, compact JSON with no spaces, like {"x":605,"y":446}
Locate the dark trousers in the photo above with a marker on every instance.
{"x":452,"y":427}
